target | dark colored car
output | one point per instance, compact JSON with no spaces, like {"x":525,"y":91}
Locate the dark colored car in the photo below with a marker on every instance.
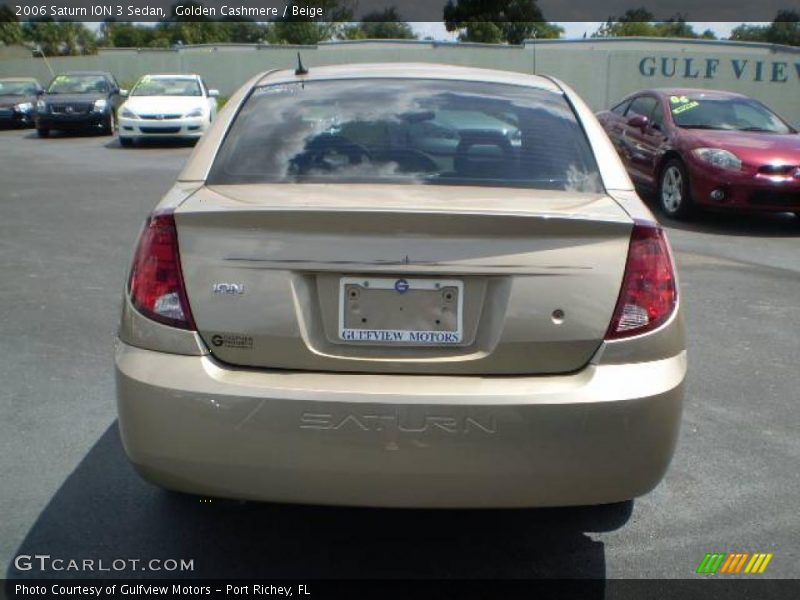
{"x":18,"y":97}
{"x":707,"y":148}
{"x":79,"y":100}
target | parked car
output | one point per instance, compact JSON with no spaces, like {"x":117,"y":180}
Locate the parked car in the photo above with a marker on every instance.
{"x":79,"y":100}
{"x":167,"y":105}
{"x":18,"y":97}
{"x":318,"y":312}
{"x":707,"y":148}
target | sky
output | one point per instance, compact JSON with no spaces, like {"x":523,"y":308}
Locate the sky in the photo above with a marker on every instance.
{"x":571,"y":30}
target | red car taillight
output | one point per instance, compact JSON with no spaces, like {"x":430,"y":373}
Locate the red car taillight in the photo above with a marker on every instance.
{"x":649,"y":292}
{"x":156,"y":284}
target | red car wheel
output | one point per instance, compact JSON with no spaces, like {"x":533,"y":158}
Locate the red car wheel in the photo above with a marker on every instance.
{"x":674,"y":196}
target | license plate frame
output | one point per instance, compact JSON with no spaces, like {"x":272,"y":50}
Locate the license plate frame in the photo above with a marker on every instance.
{"x":394,"y":293}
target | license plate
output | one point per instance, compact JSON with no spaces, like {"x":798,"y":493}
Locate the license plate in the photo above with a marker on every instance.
{"x":401,"y":311}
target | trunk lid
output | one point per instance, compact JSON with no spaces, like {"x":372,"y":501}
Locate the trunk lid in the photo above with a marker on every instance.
{"x":536,"y":274}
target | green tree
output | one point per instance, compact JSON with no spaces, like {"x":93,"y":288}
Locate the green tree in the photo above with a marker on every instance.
{"x":497,"y":21}
{"x":132,"y":35}
{"x":635,"y":22}
{"x":304,"y":30}
{"x":297,"y":32}
{"x":380,"y":25}
{"x":784,"y":29}
{"x":191,"y":29}
{"x":638,"y":22}
{"x":545,"y":30}
{"x":184,"y":30}
{"x":60,"y":38}
{"x":674,"y":27}
{"x":10,"y":29}
{"x":485,"y":32}
{"x":244,"y":32}
{"x":749,"y":33}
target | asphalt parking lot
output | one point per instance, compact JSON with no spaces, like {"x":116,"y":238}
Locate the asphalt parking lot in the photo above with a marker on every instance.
{"x":70,"y":210}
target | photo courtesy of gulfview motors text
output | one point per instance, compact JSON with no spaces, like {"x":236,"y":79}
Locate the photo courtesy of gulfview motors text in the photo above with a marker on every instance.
{"x":351,"y":299}
{"x":174,"y":590}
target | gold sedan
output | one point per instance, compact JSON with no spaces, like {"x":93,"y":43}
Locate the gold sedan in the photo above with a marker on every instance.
{"x":405,"y":285}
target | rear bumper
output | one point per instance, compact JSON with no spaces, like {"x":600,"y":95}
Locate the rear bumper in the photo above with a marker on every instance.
{"x":602,"y":435}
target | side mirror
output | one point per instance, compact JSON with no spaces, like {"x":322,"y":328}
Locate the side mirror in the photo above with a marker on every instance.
{"x":213,"y":93}
{"x":124,"y":93}
{"x":639,"y":121}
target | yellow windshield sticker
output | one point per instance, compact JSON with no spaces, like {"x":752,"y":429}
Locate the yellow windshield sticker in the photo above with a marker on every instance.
{"x":680,"y":104}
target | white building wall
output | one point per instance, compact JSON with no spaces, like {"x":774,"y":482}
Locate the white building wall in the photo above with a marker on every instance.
{"x":601,"y":70}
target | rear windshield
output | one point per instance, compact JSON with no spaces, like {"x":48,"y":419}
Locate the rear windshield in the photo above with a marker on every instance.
{"x":407,"y":131}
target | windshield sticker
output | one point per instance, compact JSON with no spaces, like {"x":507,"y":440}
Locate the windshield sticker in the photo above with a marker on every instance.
{"x":680,"y":104}
{"x":276,"y":89}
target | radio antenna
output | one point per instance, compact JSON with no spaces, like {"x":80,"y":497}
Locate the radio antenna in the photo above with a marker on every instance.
{"x":300,"y":70}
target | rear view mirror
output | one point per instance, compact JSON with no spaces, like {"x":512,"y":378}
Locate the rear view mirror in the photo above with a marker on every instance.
{"x":639,"y":121}
{"x":213,"y":93}
{"x":124,"y":93}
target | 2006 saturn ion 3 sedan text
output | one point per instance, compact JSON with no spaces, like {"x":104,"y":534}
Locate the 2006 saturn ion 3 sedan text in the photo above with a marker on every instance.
{"x":322,"y":311}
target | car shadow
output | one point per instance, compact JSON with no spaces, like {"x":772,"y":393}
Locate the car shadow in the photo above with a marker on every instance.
{"x":144,"y":144}
{"x":64,"y":134}
{"x":766,"y":225}
{"x":13,"y":127}
{"x":755,"y":224}
{"x":105,"y":511}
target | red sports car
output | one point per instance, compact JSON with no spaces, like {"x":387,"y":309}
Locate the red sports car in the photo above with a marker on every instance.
{"x":707,"y":148}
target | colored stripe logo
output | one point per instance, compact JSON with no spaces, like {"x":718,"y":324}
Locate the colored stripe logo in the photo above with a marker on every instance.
{"x":734,"y":563}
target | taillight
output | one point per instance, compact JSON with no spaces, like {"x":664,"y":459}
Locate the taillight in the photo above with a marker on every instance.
{"x":649,"y":292}
{"x":156,"y":284}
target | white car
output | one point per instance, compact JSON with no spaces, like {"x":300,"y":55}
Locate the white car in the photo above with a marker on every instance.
{"x":167,"y":106}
